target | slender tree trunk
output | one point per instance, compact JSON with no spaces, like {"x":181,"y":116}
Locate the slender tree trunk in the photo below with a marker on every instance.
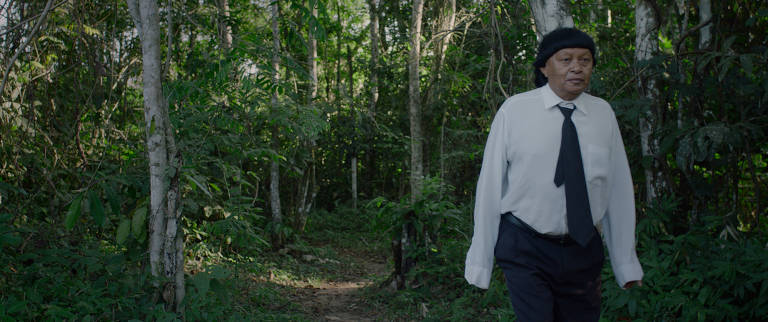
{"x":442,"y":34}
{"x":338,"y":51}
{"x":414,"y":100}
{"x":705,"y":13}
{"x":309,"y":189}
{"x":445,"y":31}
{"x":312,"y":55}
{"x":373,"y":82}
{"x":274,"y":173}
{"x":373,"y":78}
{"x":165,"y":235}
{"x":414,"y":112}
{"x":353,"y":114}
{"x":549,"y":15}
{"x":225,"y":31}
{"x":682,"y":10}
{"x":353,"y":170}
{"x":646,"y":46}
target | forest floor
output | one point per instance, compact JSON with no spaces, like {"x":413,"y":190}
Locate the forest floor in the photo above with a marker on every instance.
{"x":326,"y":276}
{"x":340,"y":298}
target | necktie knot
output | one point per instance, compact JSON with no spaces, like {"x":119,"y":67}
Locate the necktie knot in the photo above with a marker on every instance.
{"x":567,"y":111}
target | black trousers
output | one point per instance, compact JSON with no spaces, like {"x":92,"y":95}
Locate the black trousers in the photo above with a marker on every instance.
{"x":550,"y":280}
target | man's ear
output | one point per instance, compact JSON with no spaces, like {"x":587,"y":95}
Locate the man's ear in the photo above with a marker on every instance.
{"x":543,"y":71}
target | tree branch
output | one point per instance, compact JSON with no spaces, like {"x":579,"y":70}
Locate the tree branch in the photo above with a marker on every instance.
{"x":30,"y":19}
{"x":690,"y":32}
{"x":26,"y":42}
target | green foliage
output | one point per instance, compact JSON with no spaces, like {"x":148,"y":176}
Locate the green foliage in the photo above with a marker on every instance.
{"x":9,"y":236}
{"x":67,"y":283}
{"x":442,"y":238}
{"x":73,"y":212}
{"x":696,"y":276}
{"x":432,"y":214}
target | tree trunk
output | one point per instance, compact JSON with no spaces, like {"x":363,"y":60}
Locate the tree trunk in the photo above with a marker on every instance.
{"x":414,"y":112}
{"x":549,"y":15}
{"x":646,"y":46}
{"x":274,"y":173}
{"x":442,"y":36}
{"x":309,"y":189}
{"x":414,"y":100}
{"x":353,"y":170}
{"x":312,"y":56}
{"x":447,"y":19}
{"x":373,"y":82}
{"x":353,"y":114}
{"x":165,"y":235}
{"x":705,"y":13}
{"x":338,"y":52}
{"x":373,"y":78}
{"x":225,"y":31}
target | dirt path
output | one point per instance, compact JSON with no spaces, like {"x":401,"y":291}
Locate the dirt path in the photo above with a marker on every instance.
{"x":339,"y":299}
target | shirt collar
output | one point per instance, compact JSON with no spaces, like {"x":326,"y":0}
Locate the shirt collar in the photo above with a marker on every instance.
{"x":551,"y":99}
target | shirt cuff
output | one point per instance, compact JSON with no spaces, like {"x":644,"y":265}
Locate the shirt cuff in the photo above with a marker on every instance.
{"x":628,"y":272}
{"x":477,"y":276}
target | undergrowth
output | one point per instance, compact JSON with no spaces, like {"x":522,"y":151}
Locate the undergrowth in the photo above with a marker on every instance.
{"x":700,"y":275}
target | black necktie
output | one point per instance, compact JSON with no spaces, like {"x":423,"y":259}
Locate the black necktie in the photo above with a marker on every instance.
{"x":570,"y":170}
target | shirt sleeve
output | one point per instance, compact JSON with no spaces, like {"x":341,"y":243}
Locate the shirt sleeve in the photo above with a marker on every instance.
{"x":479,"y":262}
{"x":619,"y":221}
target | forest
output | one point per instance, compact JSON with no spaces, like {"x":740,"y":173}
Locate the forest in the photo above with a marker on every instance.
{"x":316,"y":160}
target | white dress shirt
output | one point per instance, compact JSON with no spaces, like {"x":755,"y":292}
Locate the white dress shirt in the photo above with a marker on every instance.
{"x":518,"y":172}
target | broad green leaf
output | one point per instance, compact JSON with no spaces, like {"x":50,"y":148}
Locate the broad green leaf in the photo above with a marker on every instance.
{"x":96,"y":208}
{"x":113,"y":199}
{"x":73,"y":213}
{"x":138,"y":220}
{"x":123,"y":231}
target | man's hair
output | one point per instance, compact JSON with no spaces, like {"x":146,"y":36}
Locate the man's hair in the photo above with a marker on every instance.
{"x":558,"y":39}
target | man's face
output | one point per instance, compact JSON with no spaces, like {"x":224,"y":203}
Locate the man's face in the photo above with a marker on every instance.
{"x":568,"y":72}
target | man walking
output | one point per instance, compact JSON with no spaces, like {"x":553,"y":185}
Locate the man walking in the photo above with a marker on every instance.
{"x":554,"y":169}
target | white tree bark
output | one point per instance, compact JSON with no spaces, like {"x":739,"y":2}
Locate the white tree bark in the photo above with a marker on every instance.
{"x":705,"y":13}
{"x":646,"y":46}
{"x":165,"y":236}
{"x":309,"y":189}
{"x":274,"y":173}
{"x":414,"y":100}
{"x":225,"y":31}
{"x":549,"y":15}
{"x":402,"y":262}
